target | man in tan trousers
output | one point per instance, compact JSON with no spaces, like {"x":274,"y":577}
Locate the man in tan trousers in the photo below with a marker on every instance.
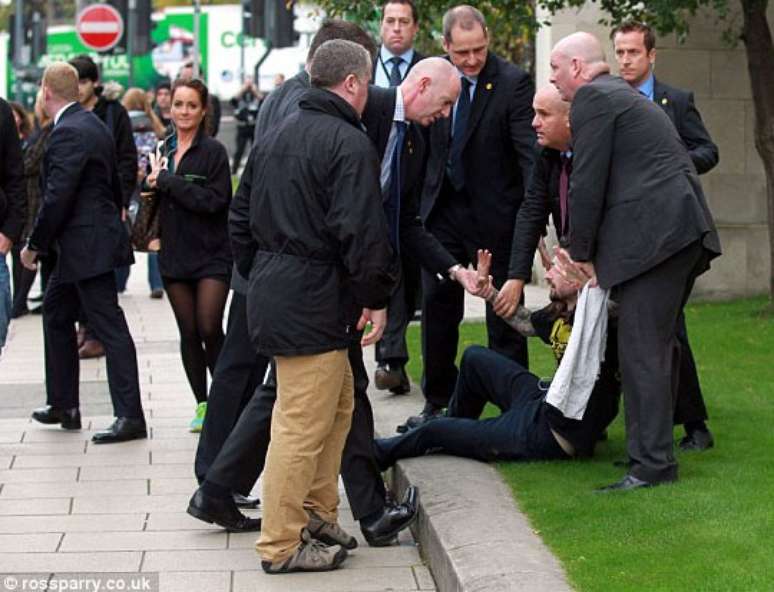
{"x":320,"y":268}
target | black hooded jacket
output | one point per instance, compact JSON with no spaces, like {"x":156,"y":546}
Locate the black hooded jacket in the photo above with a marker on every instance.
{"x":317,"y":251}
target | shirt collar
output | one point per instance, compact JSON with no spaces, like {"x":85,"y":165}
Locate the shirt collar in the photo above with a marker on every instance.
{"x":387,"y":55}
{"x":648,"y":86}
{"x":62,"y":110}
{"x":400,"y":113}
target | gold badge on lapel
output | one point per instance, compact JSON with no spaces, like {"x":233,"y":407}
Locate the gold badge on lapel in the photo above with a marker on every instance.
{"x":664,"y":101}
{"x":488,"y":86}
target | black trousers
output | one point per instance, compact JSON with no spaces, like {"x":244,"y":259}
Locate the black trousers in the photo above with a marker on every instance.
{"x":650,"y":306}
{"x":243,"y":455}
{"x":392,"y":346}
{"x":522,"y":431}
{"x":243,"y":138}
{"x":99,"y":299}
{"x":237,"y":374}
{"x":443,"y":307}
{"x":689,"y":406}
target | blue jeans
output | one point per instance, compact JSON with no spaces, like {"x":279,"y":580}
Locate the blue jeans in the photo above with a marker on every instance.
{"x":521,"y":432}
{"x":5,"y":299}
{"x":154,"y":275}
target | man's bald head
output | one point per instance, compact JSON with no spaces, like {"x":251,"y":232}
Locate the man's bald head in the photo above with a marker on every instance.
{"x":576,"y":60}
{"x":430,"y":90}
{"x":552,"y":118}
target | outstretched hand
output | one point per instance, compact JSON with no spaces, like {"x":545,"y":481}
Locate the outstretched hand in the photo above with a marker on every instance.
{"x":578,"y":273}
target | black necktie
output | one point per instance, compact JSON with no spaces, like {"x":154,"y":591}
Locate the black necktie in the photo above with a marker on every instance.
{"x":456,"y":170}
{"x":395,"y":77}
{"x":392,"y":203}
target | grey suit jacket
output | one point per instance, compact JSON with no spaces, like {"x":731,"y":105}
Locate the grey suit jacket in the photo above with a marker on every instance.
{"x":635,"y":197}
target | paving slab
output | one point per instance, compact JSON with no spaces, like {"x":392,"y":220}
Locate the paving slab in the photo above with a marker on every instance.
{"x":29,"y":543}
{"x":69,"y":523}
{"x":70,"y":489}
{"x":49,"y":475}
{"x":103,"y":562}
{"x":143,"y":541}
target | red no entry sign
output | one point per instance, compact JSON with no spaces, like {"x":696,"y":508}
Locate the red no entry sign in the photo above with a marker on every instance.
{"x":99,"y":26}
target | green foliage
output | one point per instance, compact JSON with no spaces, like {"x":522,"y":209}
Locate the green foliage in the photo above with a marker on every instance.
{"x":511,"y":23}
{"x":711,"y":530}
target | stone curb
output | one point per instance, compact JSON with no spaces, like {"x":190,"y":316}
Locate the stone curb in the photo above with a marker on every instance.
{"x":470,"y":531}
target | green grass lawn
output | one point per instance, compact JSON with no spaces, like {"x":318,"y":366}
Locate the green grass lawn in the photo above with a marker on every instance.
{"x":714,"y":529}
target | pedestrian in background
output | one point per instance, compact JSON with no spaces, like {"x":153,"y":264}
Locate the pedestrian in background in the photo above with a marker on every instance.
{"x":246,"y":104}
{"x":13,"y":206}
{"x":22,"y":277}
{"x":147,"y":130}
{"x":193,"y":181}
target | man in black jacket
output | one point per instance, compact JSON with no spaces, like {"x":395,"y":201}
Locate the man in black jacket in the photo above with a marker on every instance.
{"x":647,"y":233}
{"x":477,"y":169}
{"x":81,"y":218}
{"x":319,"y":253}
{"x":115,"y":117}
{"x":13,"y":206}
{"x":240,"y":369}
{"x":635,"y":51}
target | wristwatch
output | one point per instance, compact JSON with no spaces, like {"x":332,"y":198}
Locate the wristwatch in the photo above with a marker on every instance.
{"x":453,"y":270}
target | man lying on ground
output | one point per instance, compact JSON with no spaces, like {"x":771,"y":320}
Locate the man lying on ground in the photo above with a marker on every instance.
{"x":528,"y":428}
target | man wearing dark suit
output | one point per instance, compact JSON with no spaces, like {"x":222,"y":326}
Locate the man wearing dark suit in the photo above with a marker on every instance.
{"x":477,"y":168}
{"x":394,"y":60}
{"x":639,"y":224}
{"x":635,"y":52}
{"x":81,"y":218}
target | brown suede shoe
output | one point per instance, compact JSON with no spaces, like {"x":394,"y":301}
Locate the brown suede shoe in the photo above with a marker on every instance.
{"x":91,"y":348}
{"x":312,"y":555}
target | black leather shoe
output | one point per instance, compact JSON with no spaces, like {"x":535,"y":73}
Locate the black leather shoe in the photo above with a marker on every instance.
{"x":382,"y":531}
{"x":628,"y":483}
{"x":429,"y":413}
{"x":245,"y":501}
{"x":697,"y":440}
{"x":404,"y":387}
{"x":221,"y":511}
{"x":121,"y":430}
{"x":70,"y":419}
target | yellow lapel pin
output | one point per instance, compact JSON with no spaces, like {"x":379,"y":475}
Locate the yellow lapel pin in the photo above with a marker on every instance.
{"x":488,"y":86}
{"x":664,"y":101}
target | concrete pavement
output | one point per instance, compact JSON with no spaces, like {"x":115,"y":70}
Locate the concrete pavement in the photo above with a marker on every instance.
{"x":67,"y":506}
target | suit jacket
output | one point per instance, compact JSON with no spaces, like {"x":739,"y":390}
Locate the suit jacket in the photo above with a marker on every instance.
{"x":378,"y":64}
{"x":497,"y":152}
{"x":13,"y":197}
{"x":679,"y":106}
{"x":540,"y":200}
{"x":82,"y":199}
{"x":635,"y":197}
{"x":414,"y":239}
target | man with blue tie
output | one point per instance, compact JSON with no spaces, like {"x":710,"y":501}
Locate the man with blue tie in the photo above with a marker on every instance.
{"x":477,"y":169}
{"x":635,"y":53}
{"x":394,"y":60}
{"x":396,"y":54}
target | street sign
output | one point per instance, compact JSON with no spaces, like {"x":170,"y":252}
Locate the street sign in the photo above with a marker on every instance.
{"x":99,"y":27}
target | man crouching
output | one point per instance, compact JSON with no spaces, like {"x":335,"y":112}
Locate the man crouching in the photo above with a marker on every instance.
{"x":320,"y":267}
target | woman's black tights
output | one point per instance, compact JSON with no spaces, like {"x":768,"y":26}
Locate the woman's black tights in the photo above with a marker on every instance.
{"x":198,"y":306}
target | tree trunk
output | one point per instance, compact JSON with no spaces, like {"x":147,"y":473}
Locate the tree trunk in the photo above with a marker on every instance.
{"x":756,"y":35}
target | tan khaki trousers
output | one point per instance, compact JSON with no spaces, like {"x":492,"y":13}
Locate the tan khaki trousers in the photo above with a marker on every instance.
{"x":309,"y":425}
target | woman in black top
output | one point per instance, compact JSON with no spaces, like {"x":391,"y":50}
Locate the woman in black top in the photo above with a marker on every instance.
{"x":194,"y":184}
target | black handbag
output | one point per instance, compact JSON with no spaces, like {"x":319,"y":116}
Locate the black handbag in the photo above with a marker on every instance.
{"x":146,"y":235}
